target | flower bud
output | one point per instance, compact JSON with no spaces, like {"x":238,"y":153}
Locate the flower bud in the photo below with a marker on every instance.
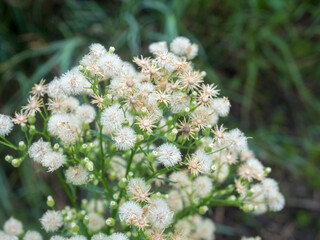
{"x":32,"y":130}
{"x":24,"y":127}
{"x":113,"y":205}
{"x":123,"y":183}
{"x":22,"y":146}
{"x":172,"y":136}
{"x":8,"y":158}
{"x":110,"y":222}
{"x":32,"y":119}
{"x":203,"y":209}
{"x":111,"y":49}
{"x":50,"y":201}
{"x":74,"y":227}
{"x":89,"y":166}
{"x":16,"y":162}
{"x":86,"y":220}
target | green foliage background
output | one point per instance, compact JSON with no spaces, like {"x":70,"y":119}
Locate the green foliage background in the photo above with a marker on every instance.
{"x":263,"y":54}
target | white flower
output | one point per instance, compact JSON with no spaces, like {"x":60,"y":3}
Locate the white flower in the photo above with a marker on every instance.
{"x":96,"y":222}
{"x":202,"y":186}
{"x":64,"y":126}
{"x":110,"y":64}
{"x":51,"y":221}
{"x":221,"y":106}
{"x":251,"y":169}
{"x":138,"y":189}
{"x":158,"y":47}
{"x":53,"y":160}
{"x":159,"y":213}
{"x":275,"y":201}
{"x":69,"y":104}
{"x":97,"y":49}
{"x":99,"y":236}
{"x":6,"y":125}
{"x":32,"y":235}
{"x":125,"y":138}
{"x":57,"y":238}
{"x":179,"y":101}
{"x":168,"y":154}
{"x":181,"y":179}
{"x":74,"y":82}
{"x":13,"y":227}
{"x":199,"y":162}
{"x":129,"y":212}
{"x":175,"y":201}
{"x":112,"y":118}
{"x":205,"y":229}
{"x":180,"y":46}
{"x":192,"y":51}
{"x":38,"y":149}
{"x":86,"y":113}
{"x":55,"y":90}
{"x":77,"y":175}
{"x":117,"y":236}
{"x":95,"y":205}
{"x":236,"y":140}
{"x":4,"y":236}
{"x":78,"y":237}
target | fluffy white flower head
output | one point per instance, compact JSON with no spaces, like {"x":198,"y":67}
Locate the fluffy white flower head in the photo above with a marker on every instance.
{"x":180,"y":46}
{"x":125,"y":138}
{"x":6,"y":125}
{"x":51,"y":221}
{"x":32,"y":235}
{"x":168,"y":154}
{"x":77,"y":175}
{"x":112,"y":118}
{"x":13,"y":227}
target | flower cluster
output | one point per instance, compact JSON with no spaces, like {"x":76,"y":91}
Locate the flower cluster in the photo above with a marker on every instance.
{"x":144,"y":142}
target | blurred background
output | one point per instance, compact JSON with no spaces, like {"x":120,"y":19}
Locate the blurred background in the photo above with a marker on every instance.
{"x":263,"y":54}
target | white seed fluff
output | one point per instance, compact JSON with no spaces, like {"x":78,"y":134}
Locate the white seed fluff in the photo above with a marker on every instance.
{"x":180,"y":46}
{"x":38,"y":149}
{"x":168,"y":154}
{"x":125,"y":138}
{"x":6,"y":125}
{"x":53,"y":160}
{"x":13,"y":226}
{"x":158,"y":47}
{"x":110,"y":64}
{"x":117,"y":236}
{"x":86,"y":113}
{"x":202,"y":186}
{"x":96,"y":222}
{"x":159,"y":213}
{"x":51,"y":221}
{"x":57,"y":238}
{"x":179,"y":101}
{"x":77,"y":175}
{"x":129,"y":211}
{"x":78,"y":237}
{"x":236,"y":140}
{"x":32,"y":235}
{"x":112,"y":118}
{"x":221,"y":106}
{"x":74,"y":82}
{"x":99,"y":236}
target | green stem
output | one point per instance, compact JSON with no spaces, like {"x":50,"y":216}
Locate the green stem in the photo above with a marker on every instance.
{"x":67,"y":190}
{"x":8,"y":143}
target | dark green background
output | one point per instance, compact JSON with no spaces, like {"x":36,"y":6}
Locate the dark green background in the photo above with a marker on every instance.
{"x":264,"y":55}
